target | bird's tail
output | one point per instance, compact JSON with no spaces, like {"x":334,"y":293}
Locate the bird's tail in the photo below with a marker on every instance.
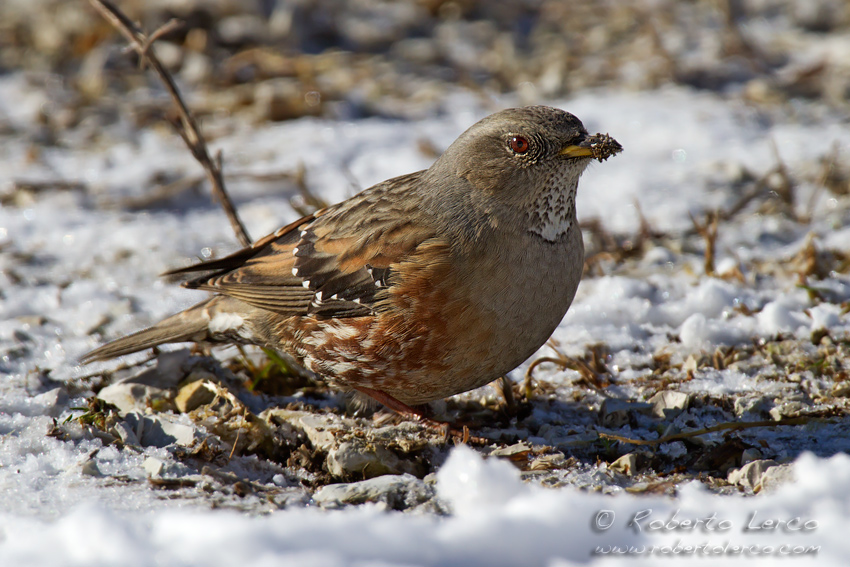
{"x":193,"y":324}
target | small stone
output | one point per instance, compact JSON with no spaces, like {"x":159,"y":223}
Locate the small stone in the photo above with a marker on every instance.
{"x":511,"y":450}
{"x":669,"y":403}
{"x":161,"y":430}
{"x":841,"y":389}
{"x":89,"y":468}
{"x":125,"y":433}
{"x":786,"y":409}
{"x":548,"y":462}
{"x":516,"y":454}
{"x":153,"y":466}
{"x":775,"y":477}
{"x":316,"y":429}
{"x":126,"y":396}
{"x":192,"y":396}
{"x":755,"y":405}
{"x":320,"y":429}
{"x":627,"y":464}
{"x":750,"y":475}
{"x":357,"y":457}
{"x":614,"y":412}
{"x":398,"y":492}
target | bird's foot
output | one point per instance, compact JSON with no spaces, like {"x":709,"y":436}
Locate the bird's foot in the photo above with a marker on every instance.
{"x":460,"y":433}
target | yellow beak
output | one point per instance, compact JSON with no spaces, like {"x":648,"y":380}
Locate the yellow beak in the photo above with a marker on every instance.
{"x":576,"y":151}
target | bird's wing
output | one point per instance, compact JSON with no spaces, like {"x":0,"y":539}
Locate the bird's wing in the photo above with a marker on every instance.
{"x":337,"y":262}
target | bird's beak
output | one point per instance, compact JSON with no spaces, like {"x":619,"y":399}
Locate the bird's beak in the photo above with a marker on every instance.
{"x":575,"y":151}
{"x":598,"y":146}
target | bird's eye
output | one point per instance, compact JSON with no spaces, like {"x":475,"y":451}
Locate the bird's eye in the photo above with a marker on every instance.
{"x":518,"y":145}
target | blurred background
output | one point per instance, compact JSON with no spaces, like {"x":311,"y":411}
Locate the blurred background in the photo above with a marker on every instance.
{"x":273,"y":60}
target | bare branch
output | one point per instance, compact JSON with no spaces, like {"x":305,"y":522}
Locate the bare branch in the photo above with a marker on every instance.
{"x":708,"y":231}
{"x":187,"y":127}
{"x":727,"y":426}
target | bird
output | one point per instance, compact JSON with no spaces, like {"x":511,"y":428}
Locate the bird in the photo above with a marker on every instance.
{"x":420,"y":287}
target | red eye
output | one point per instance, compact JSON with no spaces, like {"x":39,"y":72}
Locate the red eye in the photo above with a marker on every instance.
{"x":518,"y":144}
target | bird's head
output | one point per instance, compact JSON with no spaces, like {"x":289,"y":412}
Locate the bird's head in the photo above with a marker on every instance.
{"x":526,"y":161}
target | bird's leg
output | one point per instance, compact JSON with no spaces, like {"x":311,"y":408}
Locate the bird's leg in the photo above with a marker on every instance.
{"x":392,"y":403}
{"x":419,"y":415}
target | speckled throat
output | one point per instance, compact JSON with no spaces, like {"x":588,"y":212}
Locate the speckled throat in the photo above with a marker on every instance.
{"x":552,"y":213}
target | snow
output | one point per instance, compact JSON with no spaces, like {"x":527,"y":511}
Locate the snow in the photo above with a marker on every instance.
{"x":495,"y":520}
{"x":95,"y":267}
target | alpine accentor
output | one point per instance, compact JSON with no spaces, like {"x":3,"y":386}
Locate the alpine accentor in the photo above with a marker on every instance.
{"x":420,"y":287}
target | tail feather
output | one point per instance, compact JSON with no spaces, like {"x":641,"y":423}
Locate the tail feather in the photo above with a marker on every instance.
{"x":189,"y":325}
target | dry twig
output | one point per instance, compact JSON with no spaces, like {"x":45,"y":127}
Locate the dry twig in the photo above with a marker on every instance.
{"x":728,"y":426}
{"x":785,"y":188}
{"x":309,"y":202}
{"x":590,"y":377}
{"x":187,"y":127}
{"x":708,"y":231}
{"x":504,"y":386}
{"x":828,"y":166}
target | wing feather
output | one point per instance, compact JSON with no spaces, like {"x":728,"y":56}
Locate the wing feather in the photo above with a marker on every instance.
{"x":337,"y":262}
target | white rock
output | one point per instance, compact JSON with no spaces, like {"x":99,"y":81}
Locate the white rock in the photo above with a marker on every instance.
{"x":750,"y":475}
{"x":153,"y":466}
{"x":614,"y":412}
{"x":126,"y":396}
{"x":397,"y":491}
{"x":669,"y":403}
{"x":162,"y":430}
{"x":318,"y":428}
{"x":627,"y":464}
{"x":125,"y":433}
{"x":776,"y":476}
{"x":357,"y":457}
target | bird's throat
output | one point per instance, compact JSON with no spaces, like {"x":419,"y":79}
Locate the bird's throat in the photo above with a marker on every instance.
{"x":553,"y":212}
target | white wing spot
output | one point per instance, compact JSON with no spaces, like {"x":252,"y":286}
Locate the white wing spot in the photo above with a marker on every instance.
{"x":295,"y":251}
{"x":306,"y":283}
{"x":223,"y":322}
{"x":294,"y":271}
